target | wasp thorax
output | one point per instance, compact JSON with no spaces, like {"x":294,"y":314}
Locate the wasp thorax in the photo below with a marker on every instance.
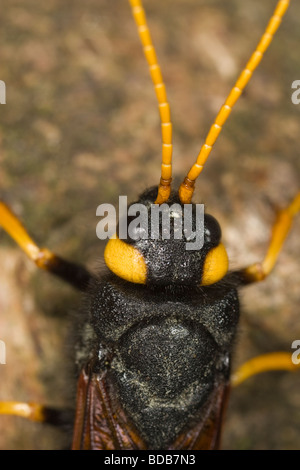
{"x":167,"y":244}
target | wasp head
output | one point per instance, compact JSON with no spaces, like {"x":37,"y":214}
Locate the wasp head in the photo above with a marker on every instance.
{"x":167,"y":244}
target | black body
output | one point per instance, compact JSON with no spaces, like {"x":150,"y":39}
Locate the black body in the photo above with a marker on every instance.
{"x":166,"y":350}
{"x":165,"y":346}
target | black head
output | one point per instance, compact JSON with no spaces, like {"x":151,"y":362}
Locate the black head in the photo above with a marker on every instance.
{"x":168,"y":244}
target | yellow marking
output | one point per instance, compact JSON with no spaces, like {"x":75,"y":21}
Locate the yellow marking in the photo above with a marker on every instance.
{"x":263,"y":363}
{"x":186,"y":195}
{"x":125,"y":261}
{"x":215,"y":265}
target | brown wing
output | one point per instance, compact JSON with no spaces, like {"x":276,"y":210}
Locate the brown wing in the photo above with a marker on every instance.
{"x":206,"y":432}
{"x":101,"y":423}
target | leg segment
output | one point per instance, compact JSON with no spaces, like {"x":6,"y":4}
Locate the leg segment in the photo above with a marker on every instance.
{"x":259,"y":271}
{"x":263,"y":363}
{"x":36,"y":412}
{"x":72,"y":273}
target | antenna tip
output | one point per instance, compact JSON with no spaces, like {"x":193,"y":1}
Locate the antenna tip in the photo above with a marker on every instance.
{"x":186,"y":190}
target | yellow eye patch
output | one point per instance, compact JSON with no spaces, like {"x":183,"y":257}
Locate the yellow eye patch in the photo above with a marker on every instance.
{"x":215,"y":265}
{"x":125,"y":261}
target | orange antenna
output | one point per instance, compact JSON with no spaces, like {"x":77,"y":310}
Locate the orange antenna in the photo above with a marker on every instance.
{"x":164,"y":107}
{"x":187,"y":187}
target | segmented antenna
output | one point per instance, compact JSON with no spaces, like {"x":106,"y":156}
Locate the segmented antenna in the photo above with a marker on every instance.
{"x":187,"y":187}
{"x":164,"y":107}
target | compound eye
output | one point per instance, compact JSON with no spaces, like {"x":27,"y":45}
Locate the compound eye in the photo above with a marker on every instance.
{"x":212,"y":230}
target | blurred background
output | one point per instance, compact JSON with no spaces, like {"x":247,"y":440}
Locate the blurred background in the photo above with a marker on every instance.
{"x":80,"y":127}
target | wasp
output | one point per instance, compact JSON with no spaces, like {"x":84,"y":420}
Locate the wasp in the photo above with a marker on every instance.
{"x":218,"y":369}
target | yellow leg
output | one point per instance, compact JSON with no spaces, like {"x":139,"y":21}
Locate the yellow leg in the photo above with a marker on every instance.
{"x":31,"y":411}
{"x":258,"y":271}
{"x":37,"y":413}
{"x":263,"y":363}
{"x":41,"y":256}
{"x":76,"y":275}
